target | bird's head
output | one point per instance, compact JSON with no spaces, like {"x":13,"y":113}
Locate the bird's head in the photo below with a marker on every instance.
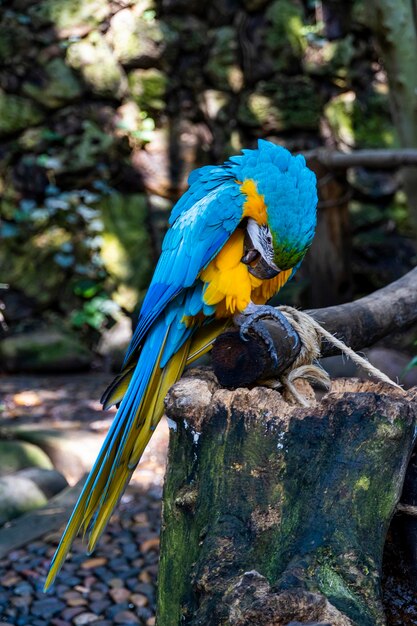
{"x":286,"y":188}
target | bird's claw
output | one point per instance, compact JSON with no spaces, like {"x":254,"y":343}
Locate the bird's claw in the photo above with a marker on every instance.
{"x":263,"y":312}
{"x":250,"y":322}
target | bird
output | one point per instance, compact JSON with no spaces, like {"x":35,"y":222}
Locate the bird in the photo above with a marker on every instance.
{"x":235,"y":237}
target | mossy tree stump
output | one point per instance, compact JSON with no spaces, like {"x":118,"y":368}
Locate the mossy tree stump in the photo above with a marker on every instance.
{"x":275,"y":514}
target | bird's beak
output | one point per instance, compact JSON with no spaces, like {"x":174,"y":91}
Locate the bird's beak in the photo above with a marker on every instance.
{"x":257,"y":264}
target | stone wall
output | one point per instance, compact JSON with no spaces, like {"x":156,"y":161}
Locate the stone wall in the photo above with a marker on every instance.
{"x":105,"y":107}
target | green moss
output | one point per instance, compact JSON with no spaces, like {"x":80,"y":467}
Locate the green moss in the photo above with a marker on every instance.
{"x":16,"y":455}
{"x":136,"y":35}
{"x":282,"y":105}
{"x":363,"y":125}
{"x":332,"y":585}
{"x":67,"y":14}
{"x":285,"y":36}
{"x":59,"y":85}
{"x":17,"y":113}
{"x":148,"y":88}
{"x":95,"y":61}
{"x":362,"y":483}
{"x":126,"y":251}
{"x":87,"y":148}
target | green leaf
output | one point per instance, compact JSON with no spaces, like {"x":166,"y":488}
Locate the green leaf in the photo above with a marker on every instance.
{"x":86,"y":288}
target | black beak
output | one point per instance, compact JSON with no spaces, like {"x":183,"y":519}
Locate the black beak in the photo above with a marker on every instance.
{"x":257,"y":265}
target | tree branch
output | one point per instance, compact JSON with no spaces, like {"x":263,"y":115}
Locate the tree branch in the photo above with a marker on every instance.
{"x":377,"y":159}
{"x":359,"y":324}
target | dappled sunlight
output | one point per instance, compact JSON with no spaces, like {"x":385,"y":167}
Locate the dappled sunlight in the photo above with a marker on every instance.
{"x":54,"y":400}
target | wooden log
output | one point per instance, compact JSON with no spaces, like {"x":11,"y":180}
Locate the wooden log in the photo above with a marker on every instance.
{"x":378,"y":158}
{"x":275,"y":514}
{"x":359,"y":324}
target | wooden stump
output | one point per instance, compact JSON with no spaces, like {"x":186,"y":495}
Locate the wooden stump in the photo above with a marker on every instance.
{"x":275,"y":514}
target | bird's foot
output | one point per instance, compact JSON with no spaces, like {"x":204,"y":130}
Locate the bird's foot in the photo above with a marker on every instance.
{"x":250,"y":320}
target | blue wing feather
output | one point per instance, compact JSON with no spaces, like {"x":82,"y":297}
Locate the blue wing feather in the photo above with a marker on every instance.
{"x":204,"y":219}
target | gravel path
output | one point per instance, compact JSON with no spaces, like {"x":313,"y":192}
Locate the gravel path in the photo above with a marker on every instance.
{"x":115,"y":585}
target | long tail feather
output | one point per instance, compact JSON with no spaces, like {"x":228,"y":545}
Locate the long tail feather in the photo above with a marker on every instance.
{"x":126,"y":440}
{"x":204,"y":338}
{"x":117,"y":389}
{"x":131,"y":430}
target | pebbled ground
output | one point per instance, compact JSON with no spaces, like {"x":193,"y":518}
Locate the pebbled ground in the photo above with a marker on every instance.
{"x":115,"y":585}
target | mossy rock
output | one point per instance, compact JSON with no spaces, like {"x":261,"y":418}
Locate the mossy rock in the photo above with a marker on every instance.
{"x":15,"y":39}
{"x":223,"y":56}
{"x":282,"y":105}
{"x":43,"y":351}
{"x":82,"y":152}
{"x":67,"y":14}
{"x":126,"y":251}
{"x":72,"y":452}
{"x":17,"y":455}
{"x":27,"y":490}
{"x":136,"y":36}
{"x":284,"y":37}
{"x":364,"y":124}
{"x":147,"y":87}
{"x":331,"y":58}
{"x":185,"y":32}
{"x":26,"y":267}
{"x":57,"y":85}
{"x":17,"y":113}
{"x":93,"y":58}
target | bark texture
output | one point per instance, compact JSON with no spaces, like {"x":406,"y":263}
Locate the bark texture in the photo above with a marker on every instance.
{"x":329,"y":266}
{"x":274,"y":514}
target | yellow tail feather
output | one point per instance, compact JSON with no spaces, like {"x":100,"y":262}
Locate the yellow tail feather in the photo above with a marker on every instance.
{"x":99,"y":499}
{"x":115,"y":392}
{"x":204,"y":338}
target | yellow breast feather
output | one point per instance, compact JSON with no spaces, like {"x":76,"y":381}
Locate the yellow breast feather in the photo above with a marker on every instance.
{"x":229,"y":284}
{"x":269,"y":288}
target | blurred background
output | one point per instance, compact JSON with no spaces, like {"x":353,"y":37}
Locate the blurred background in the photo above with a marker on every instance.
{"x":105,"y":108}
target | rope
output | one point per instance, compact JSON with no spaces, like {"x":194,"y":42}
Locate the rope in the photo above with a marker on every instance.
{"x":311,"y":334}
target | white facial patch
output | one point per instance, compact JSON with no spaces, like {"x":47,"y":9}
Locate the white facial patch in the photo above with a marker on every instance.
{"x":261,"y":238}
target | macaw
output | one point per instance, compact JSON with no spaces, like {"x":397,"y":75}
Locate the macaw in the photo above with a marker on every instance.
{"x":236,"y":236}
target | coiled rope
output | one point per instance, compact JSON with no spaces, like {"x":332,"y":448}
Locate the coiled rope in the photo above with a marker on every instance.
{"x":305,"y":366}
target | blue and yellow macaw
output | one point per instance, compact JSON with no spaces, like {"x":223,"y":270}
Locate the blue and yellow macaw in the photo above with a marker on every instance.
{"x":235,"y":238}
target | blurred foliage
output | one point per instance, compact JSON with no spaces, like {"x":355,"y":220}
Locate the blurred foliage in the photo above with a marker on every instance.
{"x":61,"y":266}
{"x":105,"y":108}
